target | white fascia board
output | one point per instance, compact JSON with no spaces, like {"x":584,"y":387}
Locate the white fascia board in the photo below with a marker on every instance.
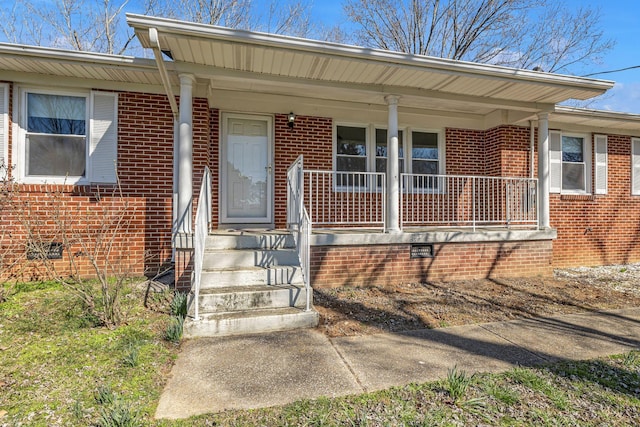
{"x":599,"y":114}
{"x":203,"y":31}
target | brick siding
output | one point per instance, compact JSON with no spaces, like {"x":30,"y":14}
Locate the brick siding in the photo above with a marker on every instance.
{"x":391,"y":264}
{"x":600,"y":229}
{"x":145,"y":170}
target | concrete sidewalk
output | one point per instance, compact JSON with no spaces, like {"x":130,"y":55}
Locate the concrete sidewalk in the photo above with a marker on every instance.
{"x":215,"y":374}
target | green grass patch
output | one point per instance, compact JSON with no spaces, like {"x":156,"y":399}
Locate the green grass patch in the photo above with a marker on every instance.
{"x":57,"y":368}
{"x":53,"y":360}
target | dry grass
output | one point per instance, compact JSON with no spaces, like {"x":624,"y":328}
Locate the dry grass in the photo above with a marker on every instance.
{"x":364,"y":310}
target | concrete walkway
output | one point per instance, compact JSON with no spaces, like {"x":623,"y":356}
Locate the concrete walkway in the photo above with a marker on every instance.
{"x":215,"y":374}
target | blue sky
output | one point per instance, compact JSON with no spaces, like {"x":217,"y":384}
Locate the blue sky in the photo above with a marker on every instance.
{"x":620,"y":21}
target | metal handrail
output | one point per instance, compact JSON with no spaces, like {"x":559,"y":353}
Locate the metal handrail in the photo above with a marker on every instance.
{"x":298,"y":222}
{"x":202,"y":228}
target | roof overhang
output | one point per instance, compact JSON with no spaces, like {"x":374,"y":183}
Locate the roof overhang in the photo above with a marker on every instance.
{"x":229,"y":59}
{"x":597,"y":119}
{"x":23,"y":63}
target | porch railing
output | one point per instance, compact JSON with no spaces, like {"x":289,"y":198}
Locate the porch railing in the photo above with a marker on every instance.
{"x":345,"y":199}
{"x":203,"y":222}
{"x":298,"y":221}
{"x":468,"y":201}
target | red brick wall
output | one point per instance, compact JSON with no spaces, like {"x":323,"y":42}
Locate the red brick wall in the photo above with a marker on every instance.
{"x":145,"y":161}
{"x":465,"y":152}
{"x":145,"y":168}
{"x":391,"y":264}
{"x":600,"y":229}
{"x":312,"y":137}
{"x":81,"y":217}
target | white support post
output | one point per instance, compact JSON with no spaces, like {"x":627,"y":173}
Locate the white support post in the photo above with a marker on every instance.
{"x":543,"y":171}
{"x":185,"y":156}
{"x":393,"y":175}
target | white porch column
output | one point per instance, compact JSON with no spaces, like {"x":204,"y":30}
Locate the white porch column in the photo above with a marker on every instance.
{"x":185,"y":155}
{"x":393,"y":175}
{"x":543,"y":170}
{"x":176,"y":141}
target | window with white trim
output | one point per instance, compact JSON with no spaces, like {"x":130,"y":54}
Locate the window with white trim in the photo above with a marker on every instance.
{"x":67,"y":137}
{"x":55,"y":135}
{"x":570,"y":163}
{"x":364,"y":149}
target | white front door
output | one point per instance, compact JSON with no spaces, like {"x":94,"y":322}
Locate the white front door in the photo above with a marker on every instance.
{"x":246,"y":159}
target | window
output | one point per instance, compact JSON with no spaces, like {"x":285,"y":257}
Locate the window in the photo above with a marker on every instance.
{"x":573,"y":164}
{"x":381,"y":151}
{"x":419,"y":152}
{"x":425,"y":155}
{"x":351,"y":155}
{"x":67,"y":137}
{"x":570,"y":163}
{"x":56,"y":135}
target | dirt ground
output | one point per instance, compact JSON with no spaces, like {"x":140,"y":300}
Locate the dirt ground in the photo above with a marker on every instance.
{"x":357,"y":311}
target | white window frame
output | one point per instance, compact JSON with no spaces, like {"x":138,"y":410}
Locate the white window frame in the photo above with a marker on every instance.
{"x":441,"y":149}
{"x":406,"y":143}
{"x":101,"y":136}
{"x":587,"y":161}
{"x":19,"y":153}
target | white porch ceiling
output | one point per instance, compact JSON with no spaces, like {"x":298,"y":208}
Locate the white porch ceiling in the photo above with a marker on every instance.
{"x":242,"y":60}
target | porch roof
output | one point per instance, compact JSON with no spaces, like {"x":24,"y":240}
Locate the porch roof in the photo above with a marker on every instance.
{"x":241,"y":60}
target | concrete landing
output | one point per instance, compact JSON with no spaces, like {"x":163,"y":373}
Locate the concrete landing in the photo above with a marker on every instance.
{"x":215,"y":374}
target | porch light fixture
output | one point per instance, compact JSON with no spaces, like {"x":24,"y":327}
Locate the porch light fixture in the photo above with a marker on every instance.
{"x":291,"y":118}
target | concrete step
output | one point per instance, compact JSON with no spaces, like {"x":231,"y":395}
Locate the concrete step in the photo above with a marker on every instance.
{"x":240,"y":258}
{"x":247,"y":240}
{"x":250,"y":322}
{"x":247,"y":276}
{"x":251,"y":297}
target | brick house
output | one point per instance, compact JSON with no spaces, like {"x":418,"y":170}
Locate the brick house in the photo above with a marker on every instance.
{"x":409,"y":168}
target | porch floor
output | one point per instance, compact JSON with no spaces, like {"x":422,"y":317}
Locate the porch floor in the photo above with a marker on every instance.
{"x":368,"y":236}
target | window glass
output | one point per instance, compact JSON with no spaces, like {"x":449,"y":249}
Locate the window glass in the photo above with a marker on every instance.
{"x":55,"y":114}
{"x":573,"y":167}
{"x":56,"y":135}
{"x":572,"y":149}
{"x":351,"y":155}
{"x":381,"y":151}
{"x":424,"y":145}
{"x":352,"y":141}
{"x":424,"y":153}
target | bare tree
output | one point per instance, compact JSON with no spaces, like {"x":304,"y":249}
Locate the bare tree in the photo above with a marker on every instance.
{"x":87,"y":25}
{"x":98,"y":25}
{"x":518,"y":33}
{"x":278,"y":16}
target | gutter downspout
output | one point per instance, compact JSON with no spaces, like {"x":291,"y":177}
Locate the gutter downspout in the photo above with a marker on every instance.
{"x":166,"y":82}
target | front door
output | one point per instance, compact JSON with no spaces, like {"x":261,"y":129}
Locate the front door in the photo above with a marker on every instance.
{"x":246,"y":196}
